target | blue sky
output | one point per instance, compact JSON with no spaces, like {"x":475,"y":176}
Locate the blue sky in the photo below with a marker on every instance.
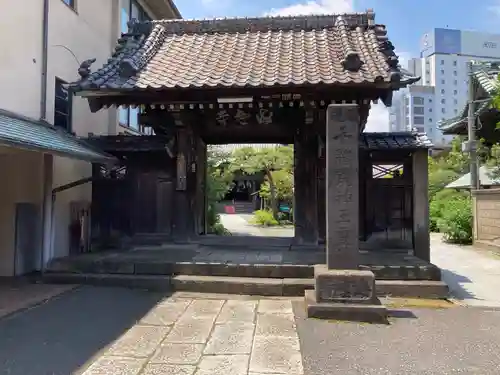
{"x":406,"y":20}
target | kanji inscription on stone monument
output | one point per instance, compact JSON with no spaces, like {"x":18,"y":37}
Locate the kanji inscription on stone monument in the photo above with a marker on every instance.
{"x":342,"y":221}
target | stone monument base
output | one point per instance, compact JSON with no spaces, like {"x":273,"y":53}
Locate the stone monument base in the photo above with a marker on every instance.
{"x":344,"y":295}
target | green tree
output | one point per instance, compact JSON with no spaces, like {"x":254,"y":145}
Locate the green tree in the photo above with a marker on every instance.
{"x":266,"y":160}
{"x":219,"y":181}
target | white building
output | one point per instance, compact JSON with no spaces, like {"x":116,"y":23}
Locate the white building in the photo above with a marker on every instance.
{"x":38,"y":151}
{"x":444,"y":54}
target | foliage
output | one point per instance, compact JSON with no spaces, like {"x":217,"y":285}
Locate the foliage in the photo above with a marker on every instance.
{"x":439,"y":179}
{"x":267,"y":160}
{"x":456,"y":221}
{"x":439,"y":203}
{"x":219,"y":181}
{"x":283,"y":181}
{"x":264,"y":218}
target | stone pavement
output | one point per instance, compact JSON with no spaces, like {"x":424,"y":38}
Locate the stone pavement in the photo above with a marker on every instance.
{"x":207,"y":337}
{"x":472,"y":276}
{"x":121,"y":331}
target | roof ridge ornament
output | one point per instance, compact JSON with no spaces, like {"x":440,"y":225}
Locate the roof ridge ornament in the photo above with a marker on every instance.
{"x":84,"y":69}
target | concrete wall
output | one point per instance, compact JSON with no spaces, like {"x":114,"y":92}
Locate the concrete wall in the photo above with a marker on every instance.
{"x":486,"y":208}
{"x":75,"y":35}
{"x":23,"y":168}
{"x":90,"y":32}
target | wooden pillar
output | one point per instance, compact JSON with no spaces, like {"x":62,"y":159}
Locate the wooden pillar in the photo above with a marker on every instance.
{"x":342,"y":189}
{"x":184,"y":226}
{"x":201,"y":180}
{"x":421,"y":236}
{"x":305,"y":180}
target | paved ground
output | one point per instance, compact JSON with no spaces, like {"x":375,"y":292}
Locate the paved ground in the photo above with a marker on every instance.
{"x":98,"y":331}
{"x":21,"y":293}
{"x":239,"y":225}
{"x":458,"y":340}
{"x":473,"y":276}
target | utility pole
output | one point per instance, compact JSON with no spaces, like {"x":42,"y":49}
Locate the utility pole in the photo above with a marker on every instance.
{"x":471,"y":122}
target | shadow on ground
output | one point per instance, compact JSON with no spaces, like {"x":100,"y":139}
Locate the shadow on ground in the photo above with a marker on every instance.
{"x":59,"y":337}
{"x":455,"y":282}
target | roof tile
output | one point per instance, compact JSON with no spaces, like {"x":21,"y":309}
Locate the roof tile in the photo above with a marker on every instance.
{"x":253,"y":52}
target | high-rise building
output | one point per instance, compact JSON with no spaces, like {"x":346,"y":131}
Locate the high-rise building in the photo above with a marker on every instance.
{"x":443,"y":89}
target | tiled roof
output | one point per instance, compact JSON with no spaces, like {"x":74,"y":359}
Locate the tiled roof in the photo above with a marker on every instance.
{"x":22,"y":132}
{"x":394,"y":140}
{"x":250,"y":52}
{"x":485,"y":76}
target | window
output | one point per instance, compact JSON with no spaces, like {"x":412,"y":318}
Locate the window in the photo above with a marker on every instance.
{"x":418,"y":110}
{"x":443,"y":82}
{"x":420,"y":129}
{"x":430,"y":119}
{"x":442,"y":91}
{"x":427,"y":72}
{"x":455,"y":92}
{"x":455,"y":63}
{"x":70,"y":3}
{"x":430,"y":100}
{"x":455,"y":82}
{"x":442,"y":71}
{"x":443,"y":110}
{"x":418,"y":100}
{"x":430,"y":109}
{"x":62,"y":106}
{"x":455,"y":73}
{"x":131,"y":9}
{"x":455,"y":101}
{"x":442,"y":62}
{"x":443,"y":101}
{"x":455,"y":110}
{"x":418,"y":120}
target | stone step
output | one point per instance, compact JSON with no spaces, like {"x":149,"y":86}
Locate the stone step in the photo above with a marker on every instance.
{"x":242,"y":285}
{"x":278,"y":271}
{"x":187,"y":283}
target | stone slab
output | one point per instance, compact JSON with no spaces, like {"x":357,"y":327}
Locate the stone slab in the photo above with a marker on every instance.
{"x":231,"y":338}
{"x":203,"y":308}
{"x":228,"y":285}
{"x":277,"y":306}
{"x":345,"y":286}
{"x":412,"y":288}
{"x":274,"y":354}
{"x":178,"y":354}
{"x":240,"y":311}
{"x":191,"y":331}
{"x":344,"y":311}
{"x":163,"y":369}
{"x":166,"y":313}
{"x":282,"y":325}
{"x":223,"y":365}
{"x":115,"y":366}
{"x":139,"y":341}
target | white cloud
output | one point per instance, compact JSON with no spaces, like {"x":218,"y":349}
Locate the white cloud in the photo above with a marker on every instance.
{"x":315,"y":7}
{"x":378,"y":119}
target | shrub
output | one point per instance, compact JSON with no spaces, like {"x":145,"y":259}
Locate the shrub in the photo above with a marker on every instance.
{"x":220,"y":230}
{"x":438,"y":205}
{"x":264,"y":218}
{"x":456,"y":221}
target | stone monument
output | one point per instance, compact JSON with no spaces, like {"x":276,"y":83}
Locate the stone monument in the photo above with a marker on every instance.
{"x":342,"y":291}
